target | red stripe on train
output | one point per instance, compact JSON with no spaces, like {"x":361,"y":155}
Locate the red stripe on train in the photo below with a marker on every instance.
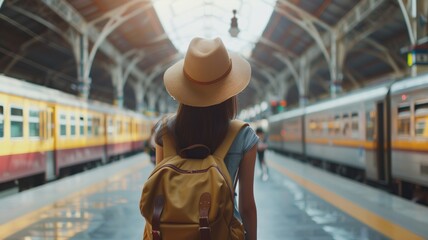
{"x":21,"y":165}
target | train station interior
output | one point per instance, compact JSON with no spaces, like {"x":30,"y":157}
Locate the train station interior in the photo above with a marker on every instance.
{"x":340,"y":89}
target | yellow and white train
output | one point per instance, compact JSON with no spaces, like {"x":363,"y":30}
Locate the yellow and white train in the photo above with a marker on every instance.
{"x":378,"y":134}
{"x":45,"y":133}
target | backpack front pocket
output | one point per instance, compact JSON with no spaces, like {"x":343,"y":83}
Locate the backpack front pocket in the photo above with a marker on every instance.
{"x":179,"y":231}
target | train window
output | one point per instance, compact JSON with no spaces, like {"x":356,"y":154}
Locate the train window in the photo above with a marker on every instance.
{"x":354,"y":125}
{"x":96,"y":126}
{"x":16,"y":122}
{"x":421,"y":119}
{"x":336,"y":125}
{"x":62,"y":125}
{"x":119,"y":127}
{"x":403,"y":120}
{"x":404,"y":111}
{"x":110,"y":128}
{"x":1,"y":122}
{"x":72,"y":125}
{"x":82,"y":125}
{"x":89,"y":129}
{"x":331,"y":126}
{"x":420,"y":127}
{"x":345,"y":124}
{"x":312,"y":126}
{"x":34,"y":123}
{"x":126,"y":128}
{"x":421,"y":108}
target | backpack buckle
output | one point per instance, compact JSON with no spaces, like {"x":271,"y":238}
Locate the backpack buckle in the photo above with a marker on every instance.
{"x":156,"y":235}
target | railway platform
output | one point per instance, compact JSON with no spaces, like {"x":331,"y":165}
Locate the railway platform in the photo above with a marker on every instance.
{"x":297,"y":202}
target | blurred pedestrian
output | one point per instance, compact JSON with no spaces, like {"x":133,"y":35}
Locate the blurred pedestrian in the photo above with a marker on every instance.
{"x":261,"y":148}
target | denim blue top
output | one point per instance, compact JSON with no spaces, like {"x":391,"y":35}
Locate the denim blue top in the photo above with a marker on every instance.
{"x":243,"y":142}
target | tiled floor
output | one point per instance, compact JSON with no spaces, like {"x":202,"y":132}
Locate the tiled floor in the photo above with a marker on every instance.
{"x":109,"y":210}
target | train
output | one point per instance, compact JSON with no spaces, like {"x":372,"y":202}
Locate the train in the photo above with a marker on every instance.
{"x":46,"y":134}
{"x":377,"y":135}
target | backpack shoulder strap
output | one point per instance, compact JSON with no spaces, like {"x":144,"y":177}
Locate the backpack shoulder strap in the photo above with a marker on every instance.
{"x":169,"y":148}
{"x":234,"y":128}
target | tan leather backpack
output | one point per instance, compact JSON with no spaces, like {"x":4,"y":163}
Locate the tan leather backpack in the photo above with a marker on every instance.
{"x":191,"y":198}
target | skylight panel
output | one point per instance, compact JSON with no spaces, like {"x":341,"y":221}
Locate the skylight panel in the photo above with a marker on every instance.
{"x":186,"y":19}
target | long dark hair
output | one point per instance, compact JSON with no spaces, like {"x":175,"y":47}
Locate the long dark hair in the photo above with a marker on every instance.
{"x":199,"y":125}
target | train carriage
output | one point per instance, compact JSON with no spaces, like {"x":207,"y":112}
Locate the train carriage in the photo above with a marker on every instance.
{"x":344,"y":131}
{"x":409,"y":130}
{"x":45,"y":133}
{"x":286,"y":131}
{"x":381,"y":132}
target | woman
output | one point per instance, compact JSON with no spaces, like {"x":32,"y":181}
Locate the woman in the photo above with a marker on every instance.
{"x":205,"y":84}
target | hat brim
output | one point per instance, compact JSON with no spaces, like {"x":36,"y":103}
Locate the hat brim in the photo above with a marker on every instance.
{"x":199,"y":95}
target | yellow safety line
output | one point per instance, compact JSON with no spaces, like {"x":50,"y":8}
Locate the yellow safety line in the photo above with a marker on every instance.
{"x":26,"y":220}
{"x":369,"y":218}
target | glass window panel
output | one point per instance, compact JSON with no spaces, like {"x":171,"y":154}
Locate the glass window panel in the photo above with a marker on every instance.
{"x":403,"y":121}
{"x":110,"y":127}
{"x":16,"y":112}
{"x":96,"y":126}
{"x":421,"y":127}
{"x":403,"y":125}
{"x":16,"y":122}
{"x":16,"y":129}
{"x":89,"y":129}
{"x":63,"y":125}
{"x":34,"y":123}
{"x":354,"y":125}
{"x":34,"y":129}
{"x":73,"y":125}
{"x":82,"y":126}
{"x":119,"y":127}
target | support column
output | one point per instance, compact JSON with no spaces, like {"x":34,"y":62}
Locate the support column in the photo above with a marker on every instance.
{"x":417,"y":10}
{"x":336,"y":65}
{"x":162,"y":105}
{"x":303,"y":83}
{"x":152,"y":101}
{"x":81,"y":55}
{"x":118,"y":83}
{"x":414,"y":12}
{"x":139,"y":96}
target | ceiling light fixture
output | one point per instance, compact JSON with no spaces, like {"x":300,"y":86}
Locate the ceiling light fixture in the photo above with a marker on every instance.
{"x":234,"y":30}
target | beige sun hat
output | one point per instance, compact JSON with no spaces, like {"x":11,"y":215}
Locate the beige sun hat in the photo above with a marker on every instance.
{"x":208,"y":75}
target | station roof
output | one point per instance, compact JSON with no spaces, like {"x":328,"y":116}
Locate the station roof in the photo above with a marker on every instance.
{"x":37,"y":41}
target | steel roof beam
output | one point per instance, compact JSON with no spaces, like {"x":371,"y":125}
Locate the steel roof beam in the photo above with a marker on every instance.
{"x":347,"y":24}
{"x":69,"y":14}
{"x":277,"y":47}
{"x":267,"y":72}
{"x":305,"y":15}
{"x":310,"y":28}
{"x":361,"y":11}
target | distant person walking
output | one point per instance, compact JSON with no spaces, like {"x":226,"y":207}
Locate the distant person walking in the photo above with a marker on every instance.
{"x":261,"y":148}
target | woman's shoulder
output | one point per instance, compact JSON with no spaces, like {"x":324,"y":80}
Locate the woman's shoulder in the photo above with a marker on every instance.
{"x":247,"y":138}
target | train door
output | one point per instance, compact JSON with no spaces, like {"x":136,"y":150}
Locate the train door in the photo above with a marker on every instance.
{"x":380,"y":141}
{"x":383,"y":141}
{"x":105,"y":127}
{"x":48,"y":138}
